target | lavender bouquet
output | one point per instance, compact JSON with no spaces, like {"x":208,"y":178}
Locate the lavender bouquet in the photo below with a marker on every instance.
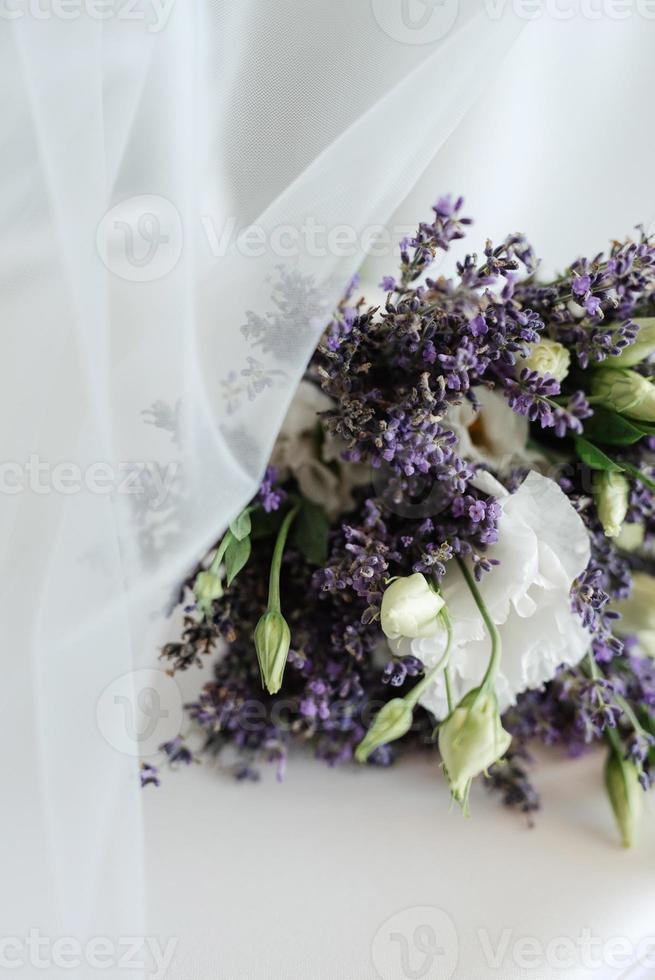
{"x":453,"y":545}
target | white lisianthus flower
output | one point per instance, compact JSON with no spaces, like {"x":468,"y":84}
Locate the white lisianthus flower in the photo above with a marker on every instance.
{"x":314,"y":457}
{"x":543,"y":547}
{"x":495,"y":434}
{"x":548,"y":357}
{"x":410,"y":608}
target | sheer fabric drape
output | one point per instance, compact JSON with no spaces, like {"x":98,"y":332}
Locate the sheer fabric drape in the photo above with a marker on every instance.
{"x":138,"y":141}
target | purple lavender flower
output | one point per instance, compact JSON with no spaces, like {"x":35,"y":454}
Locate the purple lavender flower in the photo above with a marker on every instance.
{"x":149,"y":775}
{"x":176,"y":751}
{"x":271,"y":495}
{"x":581,"y":285}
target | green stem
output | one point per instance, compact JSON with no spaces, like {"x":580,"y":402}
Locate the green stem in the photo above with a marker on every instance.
{"x":449,"y":691}
{"x":614,"y":740}
{"x":593,"y":667}
{"x":620,"y":700}
{"x":494,"y":635}
{"x":276,"y":561}
{"x":411,"y":698}
{"x":218,"y":557}
{"x":610,"y":734}
{"x":636,"y":473}
{"x":630,"y":715}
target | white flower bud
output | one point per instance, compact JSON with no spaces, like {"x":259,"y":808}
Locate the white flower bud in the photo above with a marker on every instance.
{"x":643,"y":347}
{"x":272,"y":642}
{"x":410,"y":608}
{"x":549,"y":357}
{"x":471,"y":739}
{"x":393,"y":721}
{"x":626,"y":392}
{"x":611,"y":492}
{"x":626,"y":796}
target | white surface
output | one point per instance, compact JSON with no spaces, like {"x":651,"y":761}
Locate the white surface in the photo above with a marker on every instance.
{"x":293,"y":881}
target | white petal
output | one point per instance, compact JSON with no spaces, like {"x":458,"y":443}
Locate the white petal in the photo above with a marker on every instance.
{"x":506,"y":431}
{"x":302,"y":414}
{"x":486,"y":483}
{"x":543,"y":546}
{"x":541,"y":504}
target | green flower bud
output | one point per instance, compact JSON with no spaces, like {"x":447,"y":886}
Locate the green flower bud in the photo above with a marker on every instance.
{"x":272,"y":642}
{"x":471,"y":739}
{"x":638,"y":613}
{"x":631,"y":536}
{"x":549,"y":357}
{"x":411,"y":608}
{"x":626,"y":392}
{"x":611,"y":492}
{"x":626,"y":796}
{"x":642,"y":348}
{"x":638,"y":610}
{"x":393,"y":721}
{"x":206,"y":588}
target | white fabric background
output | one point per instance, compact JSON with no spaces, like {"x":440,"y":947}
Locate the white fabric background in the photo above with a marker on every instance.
{"x":267,"y":115}
{"x":295,"y":881}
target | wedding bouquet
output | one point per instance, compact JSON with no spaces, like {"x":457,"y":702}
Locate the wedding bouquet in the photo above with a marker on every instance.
{"x":452,"y":545}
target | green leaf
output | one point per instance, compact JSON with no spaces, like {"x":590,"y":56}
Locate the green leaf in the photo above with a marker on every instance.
{"x":310,"y":533}
{"x":594,"y":457}
{"x":236,"y":556}
{"x":647,"y":428}
{"x":611,"y":428}
{"x":242,"y":525}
